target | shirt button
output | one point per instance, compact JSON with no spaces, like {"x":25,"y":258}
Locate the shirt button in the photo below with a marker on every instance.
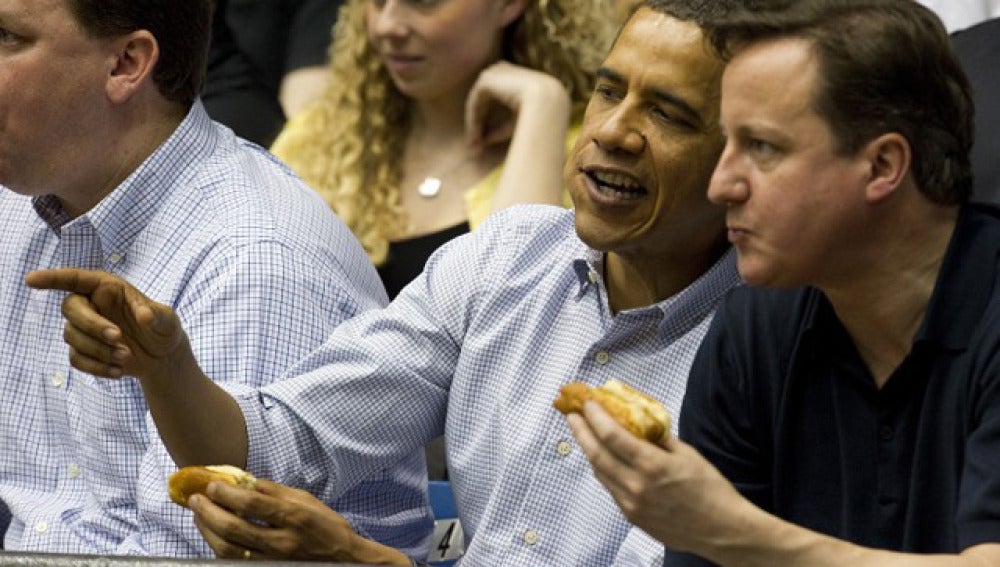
{"x":114,"y":257}
{"x":531,"y":537}
{"x":73,"y":470}
{"x":564,"y":448}
{"x":58,"y":379}
{"x":41,"y":526}
{"x":885,"y":433}
{"x":592,"y":276}
{"x":602,"y":358}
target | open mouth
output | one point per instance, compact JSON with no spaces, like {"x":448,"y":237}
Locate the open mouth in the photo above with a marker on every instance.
{"x":616,"y":185}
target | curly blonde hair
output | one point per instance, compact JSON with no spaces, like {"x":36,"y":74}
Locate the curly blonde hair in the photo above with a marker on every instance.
{"x":351,"y":149}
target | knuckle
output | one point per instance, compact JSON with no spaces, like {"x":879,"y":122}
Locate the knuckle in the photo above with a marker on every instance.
{"x":286,"y":545}
{"x":298,"y":518}
{"x":229,"y":527}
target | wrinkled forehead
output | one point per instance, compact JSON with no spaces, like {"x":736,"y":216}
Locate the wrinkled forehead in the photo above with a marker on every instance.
{"x":780,"y":70}
{"x":661,"y":52}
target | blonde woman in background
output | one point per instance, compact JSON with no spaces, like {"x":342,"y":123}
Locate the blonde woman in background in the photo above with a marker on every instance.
{"x":442,"y":111}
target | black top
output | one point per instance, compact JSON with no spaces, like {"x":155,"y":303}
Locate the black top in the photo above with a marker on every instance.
{"x":407,"y":257}
{"x":781,"y":402}
{"x":978,"y":48}
{"x":255,"y":43}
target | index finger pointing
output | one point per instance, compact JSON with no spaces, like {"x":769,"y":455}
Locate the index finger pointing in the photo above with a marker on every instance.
{"x":73,"y":280}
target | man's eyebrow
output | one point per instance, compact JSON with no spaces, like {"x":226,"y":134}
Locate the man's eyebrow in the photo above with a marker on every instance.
{"x":609,"y":75}
{"x":659,"y":94}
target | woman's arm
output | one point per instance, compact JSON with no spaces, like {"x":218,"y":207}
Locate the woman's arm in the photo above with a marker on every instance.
{"x":531,"y":110}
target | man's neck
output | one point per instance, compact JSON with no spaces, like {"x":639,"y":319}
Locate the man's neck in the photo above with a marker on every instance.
{"x":136,"y":138}
{"x":636,"y":280}
{"x":884,"y":308}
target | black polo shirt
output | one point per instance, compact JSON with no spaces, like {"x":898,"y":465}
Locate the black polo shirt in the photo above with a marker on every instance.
{"x":781,"y":402}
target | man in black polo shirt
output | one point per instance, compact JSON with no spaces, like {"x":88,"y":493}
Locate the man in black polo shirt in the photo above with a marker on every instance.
{"x":855,"y":421}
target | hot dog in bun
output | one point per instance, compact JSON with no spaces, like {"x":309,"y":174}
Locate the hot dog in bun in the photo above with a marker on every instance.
{"x":194,"y":480}
{"x":645,"y":417}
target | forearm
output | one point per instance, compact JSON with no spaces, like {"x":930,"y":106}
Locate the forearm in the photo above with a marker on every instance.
{"x":198,"y":421}
{"x":533,"y":168}
{"x":760,"y":539}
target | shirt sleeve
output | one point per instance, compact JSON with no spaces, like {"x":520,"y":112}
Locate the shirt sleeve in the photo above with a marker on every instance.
{"x":251,"y":312}
{"x":377,"y":391}
{"x":978,"y":515}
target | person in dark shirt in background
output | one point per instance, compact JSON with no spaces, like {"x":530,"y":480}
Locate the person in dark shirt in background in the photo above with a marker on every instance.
{"x":267,"y":60}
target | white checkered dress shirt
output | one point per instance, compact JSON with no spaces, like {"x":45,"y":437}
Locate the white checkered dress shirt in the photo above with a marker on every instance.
{"x":260,"y":272}
{"x":477,"y":348}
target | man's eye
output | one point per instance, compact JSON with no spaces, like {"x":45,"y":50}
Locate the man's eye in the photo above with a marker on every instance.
{"x":6,"y":37}
{"x":607,"y":92}
{"x":671,"y":118}
{"x":761,"y":147}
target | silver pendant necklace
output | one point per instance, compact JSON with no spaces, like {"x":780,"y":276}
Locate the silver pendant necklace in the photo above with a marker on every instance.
{"x":429,"y":187}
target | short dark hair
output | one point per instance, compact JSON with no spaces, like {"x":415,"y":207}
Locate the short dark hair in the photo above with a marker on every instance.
{"x":182,"y":29}
{"x":884,"y":66}
{"x":704,"y":13}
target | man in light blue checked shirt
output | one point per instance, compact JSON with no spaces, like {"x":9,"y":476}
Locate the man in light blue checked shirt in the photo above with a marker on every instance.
{"x":110,"y":163}
{"x":478,"y":346}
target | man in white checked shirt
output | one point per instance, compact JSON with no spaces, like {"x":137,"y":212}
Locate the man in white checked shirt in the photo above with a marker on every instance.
{"x":478,"y":346}
{"x":109,"y":162}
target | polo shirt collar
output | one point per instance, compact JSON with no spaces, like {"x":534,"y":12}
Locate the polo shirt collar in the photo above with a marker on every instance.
{"x":965,"y":284}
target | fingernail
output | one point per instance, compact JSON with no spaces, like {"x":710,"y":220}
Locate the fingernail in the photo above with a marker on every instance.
{"x":120,"y":353}
{"x":109,"y":333}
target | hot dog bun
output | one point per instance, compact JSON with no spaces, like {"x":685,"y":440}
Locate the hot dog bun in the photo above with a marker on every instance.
{"x":194,"y":480}
{"x":645,"y":417}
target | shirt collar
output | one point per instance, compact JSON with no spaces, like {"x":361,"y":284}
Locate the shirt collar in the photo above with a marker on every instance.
{"x":682,"y":311}
{"x":964,"y":286}
{"x":126,"y":211}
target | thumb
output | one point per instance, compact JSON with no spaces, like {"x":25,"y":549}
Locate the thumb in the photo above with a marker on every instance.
{"x":158,"y":330}
{"x":669,"y":442}
{"x":156,"y":317}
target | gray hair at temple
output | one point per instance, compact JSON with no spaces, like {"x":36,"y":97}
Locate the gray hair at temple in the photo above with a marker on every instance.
{"x":182,"y":29}
{"x":884,"y":66}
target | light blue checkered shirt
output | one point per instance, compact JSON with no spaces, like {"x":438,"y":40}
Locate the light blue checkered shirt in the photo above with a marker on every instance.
{"x":477,"y":348}
{"x":259,"y":271}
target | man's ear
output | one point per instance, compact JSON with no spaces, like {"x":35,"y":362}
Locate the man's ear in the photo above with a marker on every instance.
{"x":888,"y":157}
{"x":131,"y":63}
{"x":511,"y":11}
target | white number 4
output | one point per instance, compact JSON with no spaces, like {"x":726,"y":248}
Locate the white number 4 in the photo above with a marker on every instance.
{"x":448,"y":542}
